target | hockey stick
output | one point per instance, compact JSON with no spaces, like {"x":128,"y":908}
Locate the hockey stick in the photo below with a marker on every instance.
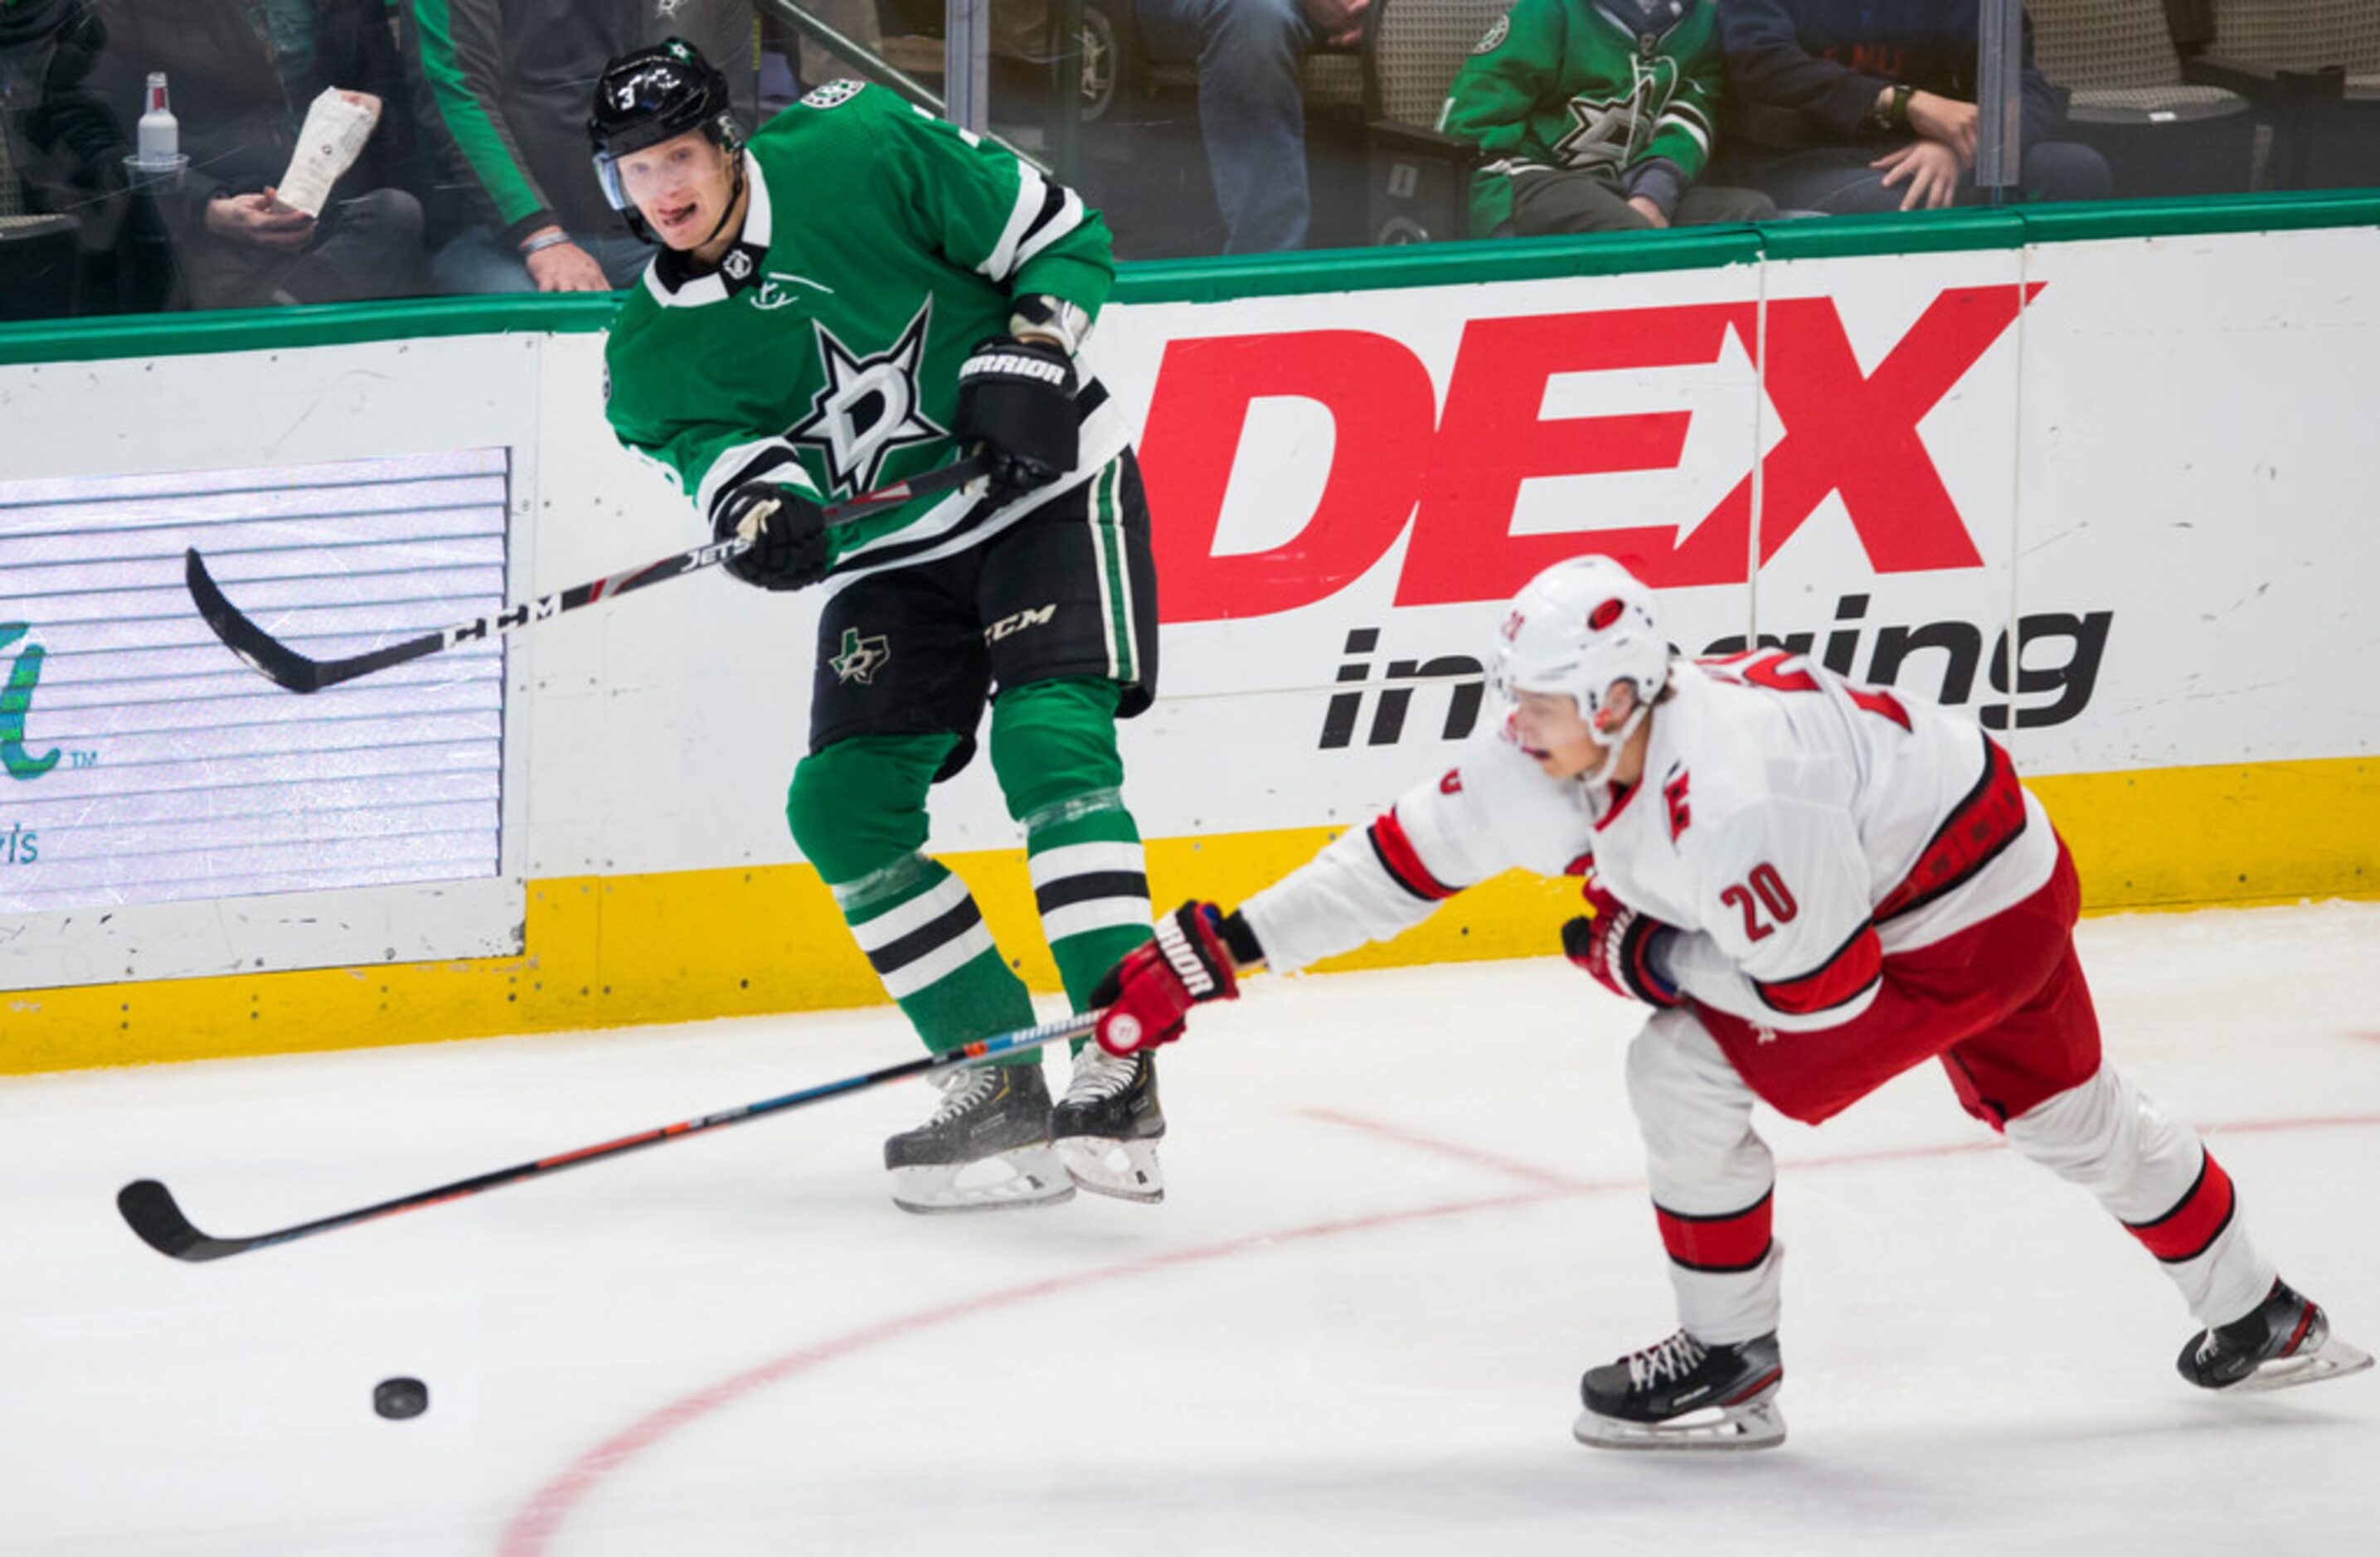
{"x":147,"y":1206}
{"x":287,"y":667}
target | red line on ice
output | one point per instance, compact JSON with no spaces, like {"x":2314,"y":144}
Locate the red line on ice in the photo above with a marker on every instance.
{"x":535,"y":1526}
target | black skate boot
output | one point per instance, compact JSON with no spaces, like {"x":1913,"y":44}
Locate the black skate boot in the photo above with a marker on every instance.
{"x":1683,"y":1394}
{"x":993,"y":1119}
{"x":2282,"y":1341}
{"x":1106,"y":1127}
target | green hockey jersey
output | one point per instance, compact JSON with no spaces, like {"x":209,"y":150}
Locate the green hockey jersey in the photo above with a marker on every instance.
{"x":1601,"y":89}
{"x":881,"y":245}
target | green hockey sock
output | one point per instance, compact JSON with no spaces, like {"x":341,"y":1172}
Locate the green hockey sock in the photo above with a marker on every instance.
{"x":1053,"y":746}
{"x":858,"y":808}
{"x":921,"y":930}
{"x":1090,"y":881}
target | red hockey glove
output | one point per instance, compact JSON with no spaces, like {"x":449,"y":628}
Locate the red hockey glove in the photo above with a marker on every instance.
{"x":1614,"y":943}
{"x":1150,"y":992}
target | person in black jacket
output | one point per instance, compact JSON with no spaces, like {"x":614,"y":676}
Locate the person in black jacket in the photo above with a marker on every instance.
{"x":61,"y":148}
{"x":1862,"y":105}
{"x":242,"y":78}
{"x":502,"y":88}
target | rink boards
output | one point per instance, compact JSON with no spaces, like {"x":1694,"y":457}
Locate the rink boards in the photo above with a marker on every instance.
{"x":2111,"y":494}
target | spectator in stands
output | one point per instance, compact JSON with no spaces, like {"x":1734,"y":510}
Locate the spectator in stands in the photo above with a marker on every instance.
{"x":61,"y":148}
{"x":1848,"y":105}
{"x":503,"y":87}
{"x":1597,"y":115}
{"x":1251,"y":104}
{"x":242,"y":77}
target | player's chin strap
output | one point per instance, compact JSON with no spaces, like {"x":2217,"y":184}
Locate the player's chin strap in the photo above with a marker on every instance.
{"x":734,"y":194}
{"x":1616,"y":742}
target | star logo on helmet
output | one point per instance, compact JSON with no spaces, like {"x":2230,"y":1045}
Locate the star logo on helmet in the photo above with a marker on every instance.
{"x":868,"y":405}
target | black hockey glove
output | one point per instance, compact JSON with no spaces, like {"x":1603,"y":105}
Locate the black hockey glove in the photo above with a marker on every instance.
{"x":786,"y":529}
{"x":1017,"y":401}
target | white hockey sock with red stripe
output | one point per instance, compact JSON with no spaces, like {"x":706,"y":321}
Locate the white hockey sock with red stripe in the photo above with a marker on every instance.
{"x":2155,"y":1175}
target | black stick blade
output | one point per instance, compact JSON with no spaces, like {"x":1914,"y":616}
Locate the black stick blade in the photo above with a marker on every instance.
{"x":149,"y":1208}
{"x":272,"y":658}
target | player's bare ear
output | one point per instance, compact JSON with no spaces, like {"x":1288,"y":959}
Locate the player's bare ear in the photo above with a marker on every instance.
{"x":1619,"y":702}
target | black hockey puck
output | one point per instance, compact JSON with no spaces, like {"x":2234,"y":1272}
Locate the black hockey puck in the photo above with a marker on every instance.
{"x":398,"y":1398}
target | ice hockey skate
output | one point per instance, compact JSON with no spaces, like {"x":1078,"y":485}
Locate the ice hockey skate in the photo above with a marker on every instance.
{"x":987,"y":1146}
{"x":1106,"y":1127}
{"x":2282,"y":1341}
{"x":1683,"y":1394}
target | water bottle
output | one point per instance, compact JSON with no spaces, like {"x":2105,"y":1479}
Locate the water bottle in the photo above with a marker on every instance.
{"x":160,"y":132}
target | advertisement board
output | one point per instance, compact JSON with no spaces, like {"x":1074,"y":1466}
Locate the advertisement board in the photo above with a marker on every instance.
{"x":148,"y":766}
{"x":2090,"y":493}
{"x":144,"y":763}
{"x":2111,"y":497}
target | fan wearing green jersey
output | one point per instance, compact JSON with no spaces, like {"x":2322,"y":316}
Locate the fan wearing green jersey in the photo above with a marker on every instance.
{"x":858,"y":295}
{"x":1595,"y":115}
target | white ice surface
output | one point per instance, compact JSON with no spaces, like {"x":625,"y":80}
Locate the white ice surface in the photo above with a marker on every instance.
{"x":1405,"y":1210}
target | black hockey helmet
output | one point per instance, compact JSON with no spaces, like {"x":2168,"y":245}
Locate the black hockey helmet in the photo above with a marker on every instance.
{"x":653,"y":94}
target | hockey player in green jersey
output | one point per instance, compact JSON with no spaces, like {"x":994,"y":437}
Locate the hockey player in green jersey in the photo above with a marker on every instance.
{"x":860,"y":295}
{"x":1595,"y":115}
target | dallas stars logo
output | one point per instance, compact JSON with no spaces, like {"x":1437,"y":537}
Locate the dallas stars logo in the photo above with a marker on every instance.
{"x":1608,"y":133}
{"x":861,"y":658}
{"x":1598,"y":133}
{"x":868,"y":406}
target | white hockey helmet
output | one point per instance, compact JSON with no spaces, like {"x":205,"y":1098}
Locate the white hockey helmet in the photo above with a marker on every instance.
{"x":1577,"y":628}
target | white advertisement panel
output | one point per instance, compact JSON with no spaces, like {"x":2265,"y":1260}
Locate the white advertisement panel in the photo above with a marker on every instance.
{"x":2198,"y":454}
{"x":164,"y":810}
{"x":172,"y":771}
{"x":2111,"y":496}
{"x":2123,"y":459}
{"x":1347,"y":488}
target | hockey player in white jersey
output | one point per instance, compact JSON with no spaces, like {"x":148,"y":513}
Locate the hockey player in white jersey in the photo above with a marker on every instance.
{"x":1816,"y":886}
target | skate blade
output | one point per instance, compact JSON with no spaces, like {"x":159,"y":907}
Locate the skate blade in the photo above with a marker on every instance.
{"x":2332,"y":1359}
{"x":1123,"y":1170}
{"x":1756,"y":1424}
{"x":1022,"y":1177}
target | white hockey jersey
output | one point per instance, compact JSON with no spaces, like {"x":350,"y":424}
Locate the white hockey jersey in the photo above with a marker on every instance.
{"x":1796,"y":828}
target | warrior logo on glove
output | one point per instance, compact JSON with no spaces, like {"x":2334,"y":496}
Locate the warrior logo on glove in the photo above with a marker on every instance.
{"x":1149,"y":993}
{"x":1016,"y":400}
